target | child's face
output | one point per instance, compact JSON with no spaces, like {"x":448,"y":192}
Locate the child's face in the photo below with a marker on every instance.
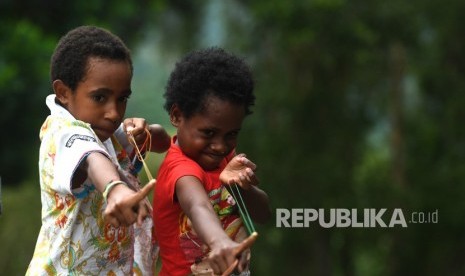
{"x":101,"y":96}
{"x":208,"y":137}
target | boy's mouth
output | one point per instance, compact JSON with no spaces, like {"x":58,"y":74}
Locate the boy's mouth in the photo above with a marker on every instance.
{"x":216,"y":157}
{"x":103,"y":133}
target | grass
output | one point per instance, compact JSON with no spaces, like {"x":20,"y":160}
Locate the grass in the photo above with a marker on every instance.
{"x":19,"y":227}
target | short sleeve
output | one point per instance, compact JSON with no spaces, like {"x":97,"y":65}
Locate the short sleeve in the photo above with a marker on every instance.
{"x":73,"y":144}
{"x":179,"y":168}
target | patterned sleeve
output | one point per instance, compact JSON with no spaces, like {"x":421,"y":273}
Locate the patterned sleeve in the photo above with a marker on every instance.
{"x":73,"y":144}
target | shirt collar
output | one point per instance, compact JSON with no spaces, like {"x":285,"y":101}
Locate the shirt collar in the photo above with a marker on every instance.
{"x":56,"y":109}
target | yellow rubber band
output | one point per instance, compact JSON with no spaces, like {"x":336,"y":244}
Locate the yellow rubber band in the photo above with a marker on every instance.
{"x":139,"y":154}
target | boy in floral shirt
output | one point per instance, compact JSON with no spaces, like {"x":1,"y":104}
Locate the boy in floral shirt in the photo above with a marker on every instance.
{"x":90,"y":194}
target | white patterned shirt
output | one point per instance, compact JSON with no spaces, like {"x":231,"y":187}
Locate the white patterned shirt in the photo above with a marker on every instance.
{"x":74,"y":239}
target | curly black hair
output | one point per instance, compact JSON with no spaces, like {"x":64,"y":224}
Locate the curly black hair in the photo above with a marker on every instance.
{"x":69,"y":60}
{"x":209,"y":72}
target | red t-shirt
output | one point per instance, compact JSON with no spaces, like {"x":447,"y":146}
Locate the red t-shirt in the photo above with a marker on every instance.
{"x":179,"y":246}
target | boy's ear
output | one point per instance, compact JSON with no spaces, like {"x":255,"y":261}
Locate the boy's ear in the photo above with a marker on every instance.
{"x":62,"y":91}
{"x":175,"y":115}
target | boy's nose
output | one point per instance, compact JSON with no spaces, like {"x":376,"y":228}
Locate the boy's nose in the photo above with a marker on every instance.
{"x":219,"y":146}
{"x":112,"y":113}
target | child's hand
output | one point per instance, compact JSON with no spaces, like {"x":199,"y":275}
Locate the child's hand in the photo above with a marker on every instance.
{"x":220,"y":259}
{"x":221,"y":256}
{"x":239,"y":170}
{"x":124,"y":206}
{"x":136,"y":127}
{"x":145,"y":210}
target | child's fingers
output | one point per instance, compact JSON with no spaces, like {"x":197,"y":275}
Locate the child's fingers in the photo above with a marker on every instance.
{"x":130,"y":124}
{"x":140,"y":195}
{"x":135,"y":127}
{"x":117,"y":217}
{"x":247,"y":175}
{"x":218,"y":263}
{"x":129,"y":216}
{"x":250,"y":164}
{"x":138,"y":133}
{"x":252,"y":178}
{"x":129,"y":129}
{"x":143,"y":212}
{"x":134,"y":208}
{"x":111,"y":220}
{"x":147,"y":188}
{"x":230,"y":269}
{"x":139,"y":123}
{"x":148,"y":205}
{"x":244,"y":261}
{"x":245,"y":179}
{"x":246,"y":162}
{"x":147,"y":211}
{"x":247,"y":243}
{"x":134,"y":212}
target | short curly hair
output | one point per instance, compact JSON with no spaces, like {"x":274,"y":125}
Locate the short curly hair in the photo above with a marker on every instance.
{"x":209,"y":72}
{"x":69,"y":60}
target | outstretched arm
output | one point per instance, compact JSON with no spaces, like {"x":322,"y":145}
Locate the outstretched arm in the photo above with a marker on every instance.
{"x":124,"y":206}
{"x":196,"y":205}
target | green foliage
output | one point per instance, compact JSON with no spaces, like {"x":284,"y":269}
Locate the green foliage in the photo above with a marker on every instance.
{"x":326,"y":82}
{"x":23,"y":84}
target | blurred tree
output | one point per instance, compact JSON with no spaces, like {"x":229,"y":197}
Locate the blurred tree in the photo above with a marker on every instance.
{"x":332,"y":75}
{"x":23,"y":84}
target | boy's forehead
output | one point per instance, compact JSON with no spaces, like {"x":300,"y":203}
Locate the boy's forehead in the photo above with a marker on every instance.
{"x":106,"y":74}
{"x":212,"y":103}
{"x":218,"y":113}
{"x":94,"y":60}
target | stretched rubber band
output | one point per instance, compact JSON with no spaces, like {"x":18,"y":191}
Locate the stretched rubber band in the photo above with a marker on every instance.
{"x":242,"y":209}
{"x":147,"y":144}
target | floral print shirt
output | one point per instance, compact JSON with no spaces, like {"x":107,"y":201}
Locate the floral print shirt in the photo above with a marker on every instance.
{"x":74,"y":239}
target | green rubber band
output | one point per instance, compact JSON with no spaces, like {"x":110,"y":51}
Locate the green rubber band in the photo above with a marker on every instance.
{"x":242,"y":209}
{"x":247,"y":215}
{"x":110,"y":185}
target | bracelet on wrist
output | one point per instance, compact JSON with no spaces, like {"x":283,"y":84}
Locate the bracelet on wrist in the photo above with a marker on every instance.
{"x":109,"y":186}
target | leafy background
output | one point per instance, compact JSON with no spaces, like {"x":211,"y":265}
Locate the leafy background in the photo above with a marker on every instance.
{"x":358,"y":106}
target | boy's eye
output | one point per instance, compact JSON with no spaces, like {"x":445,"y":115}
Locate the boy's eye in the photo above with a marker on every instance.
{"x":124,"y":99}
{"x":208,"y":133}
{"x":98,"y":98}
{"x":233,"y":135}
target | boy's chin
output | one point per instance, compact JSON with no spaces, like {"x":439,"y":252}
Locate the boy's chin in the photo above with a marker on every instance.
{"x":103,"y":136}
{"x":210,"y":166}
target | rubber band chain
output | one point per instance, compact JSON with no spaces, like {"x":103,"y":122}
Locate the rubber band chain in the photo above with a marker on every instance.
{"x":146,"y":145}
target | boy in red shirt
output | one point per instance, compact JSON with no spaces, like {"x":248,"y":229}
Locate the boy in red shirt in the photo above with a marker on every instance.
{"x":197,"y":225}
